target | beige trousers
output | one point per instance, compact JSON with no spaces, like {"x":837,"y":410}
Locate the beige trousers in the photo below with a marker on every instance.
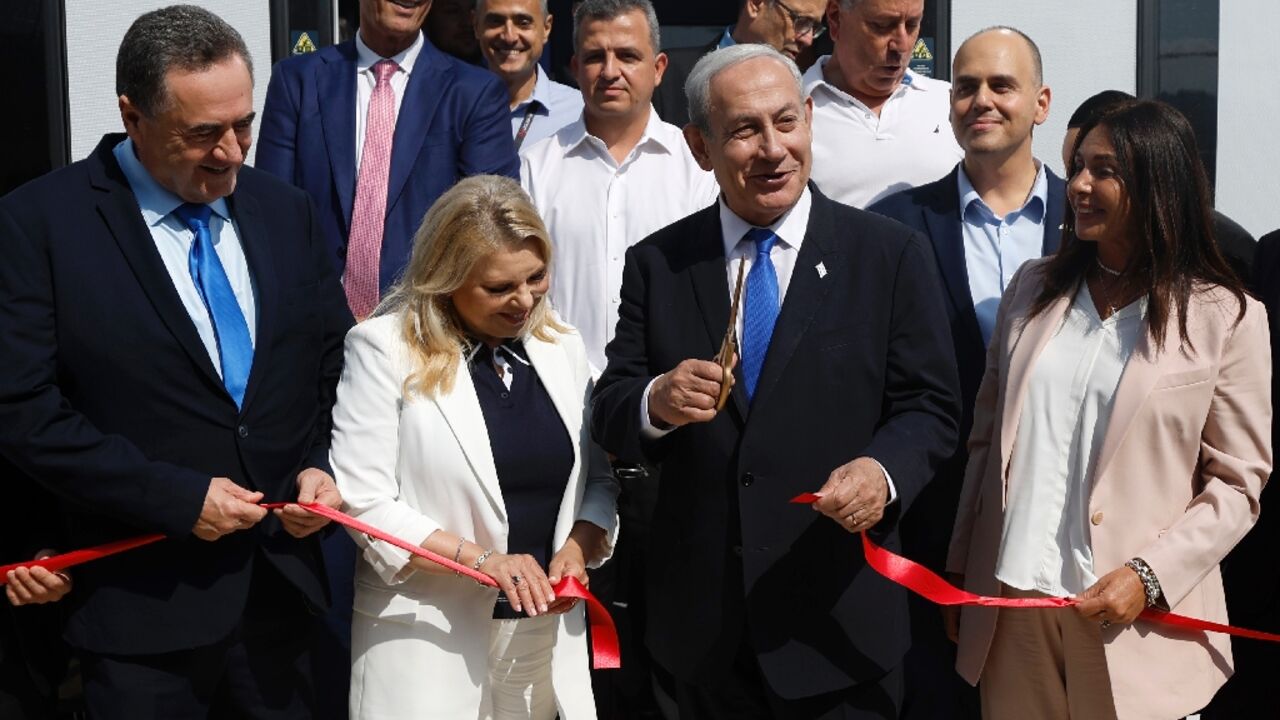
{"x":520,"y":668}
{"x":1045,"y":665}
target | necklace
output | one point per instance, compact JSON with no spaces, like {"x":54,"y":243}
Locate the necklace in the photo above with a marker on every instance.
{"x":1105,"y":269}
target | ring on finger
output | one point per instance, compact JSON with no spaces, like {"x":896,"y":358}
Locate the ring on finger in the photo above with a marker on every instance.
{"x":1106,"y":624}
{"x":515,"y":579}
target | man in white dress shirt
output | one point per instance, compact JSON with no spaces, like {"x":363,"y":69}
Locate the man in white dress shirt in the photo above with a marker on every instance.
{"x":877,"y":127}
{"x":512,"y":34}
{"x":603,"y":184}
{"x":616,"y":175}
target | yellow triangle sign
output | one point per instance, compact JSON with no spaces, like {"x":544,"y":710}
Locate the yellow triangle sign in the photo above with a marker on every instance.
{"x":304,"y":44}
{"x":919,"y":52}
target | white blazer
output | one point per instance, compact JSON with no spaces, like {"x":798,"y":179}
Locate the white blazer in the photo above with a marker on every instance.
{"x":411,"y":465}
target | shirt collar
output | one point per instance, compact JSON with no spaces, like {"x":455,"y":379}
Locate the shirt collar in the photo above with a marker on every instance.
{"x":366,"y":57}
{"x":576,"y":134}
{"x":790,"y":228}
{"x":1033,"y":207}
{"x":154,"y":200}
{"x":814,"y":79}
{"x":513,"y":348}
{"x":541,"y":97}
{"x":726,"y":38}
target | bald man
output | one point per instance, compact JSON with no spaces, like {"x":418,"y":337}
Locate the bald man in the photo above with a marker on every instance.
{"x":999,"y":207}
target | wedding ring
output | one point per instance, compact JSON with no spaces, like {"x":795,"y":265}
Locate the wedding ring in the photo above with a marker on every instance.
{"x":1106,"y":624}
{"x":515,"y":579}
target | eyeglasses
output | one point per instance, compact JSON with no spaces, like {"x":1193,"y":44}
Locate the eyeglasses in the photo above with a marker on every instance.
{"x":802,"y":24}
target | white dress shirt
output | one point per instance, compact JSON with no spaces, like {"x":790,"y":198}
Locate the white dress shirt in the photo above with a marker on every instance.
{"x":596,"y":208}
{"x":366,"y":81}
{"x":860,"y":157}
{"x":173,"y":241}
{"x":1046,"y":541}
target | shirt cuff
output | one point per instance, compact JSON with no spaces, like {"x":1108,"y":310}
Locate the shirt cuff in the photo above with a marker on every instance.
{"x":648,"y":430}
{"x":893,"y":490}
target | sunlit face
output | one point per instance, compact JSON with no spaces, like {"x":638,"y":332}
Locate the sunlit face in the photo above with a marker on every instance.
{"x":780,"y":24}
{"x":617,"y":66}
{"x":511,"y":35}
{"x":390,"y":26}
{"x":1097,"y":194}
{"x":195,"y":145}
{"x":502,"y":290}
{"x":759,"y":146}
{"x":995,"y":97}
{"x":872,"y":43}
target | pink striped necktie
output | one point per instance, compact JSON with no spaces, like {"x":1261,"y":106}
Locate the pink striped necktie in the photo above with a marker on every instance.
{"x":364,"y":245}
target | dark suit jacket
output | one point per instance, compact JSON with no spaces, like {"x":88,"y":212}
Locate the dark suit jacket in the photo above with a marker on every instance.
{"x":110,"y":400}
{"x":453,"y":122}
{"x":669,"y":98}
{"x":934,"y":209}
{"x":1236,"y":244}
{"x":859,"y":364}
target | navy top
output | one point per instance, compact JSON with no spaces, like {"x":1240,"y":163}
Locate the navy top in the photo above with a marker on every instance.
{"x":532,"y":450}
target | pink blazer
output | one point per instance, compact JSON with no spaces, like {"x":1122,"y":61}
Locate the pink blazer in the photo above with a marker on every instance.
{"x":1176,"y":482}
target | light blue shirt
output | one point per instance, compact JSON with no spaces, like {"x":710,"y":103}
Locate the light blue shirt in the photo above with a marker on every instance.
{"x":726,"y":39}
{"x":554,"y":105}
{"x":173,"y":241}
{"x":995,"y":247}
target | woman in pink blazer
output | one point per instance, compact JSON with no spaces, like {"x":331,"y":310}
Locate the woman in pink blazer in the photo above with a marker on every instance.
{"x":1121,"y":438}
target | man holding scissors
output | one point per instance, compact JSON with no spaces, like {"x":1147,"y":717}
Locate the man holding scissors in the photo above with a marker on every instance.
{"x":846,"y":385}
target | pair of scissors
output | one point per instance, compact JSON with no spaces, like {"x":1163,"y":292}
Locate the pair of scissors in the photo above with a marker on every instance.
{"x":729,"y":346}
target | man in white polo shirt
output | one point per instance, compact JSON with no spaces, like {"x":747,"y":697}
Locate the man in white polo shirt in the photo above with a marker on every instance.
{"x":877,"y":127}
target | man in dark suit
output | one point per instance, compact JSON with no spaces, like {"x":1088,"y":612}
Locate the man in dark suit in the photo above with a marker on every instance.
{"x":999,"y":207}
{"x":374,"y":168}
{"x":1250,"y":573}
{"x":172,"y":334}
{"x":789,"y":27}
{"x":846,"y":386}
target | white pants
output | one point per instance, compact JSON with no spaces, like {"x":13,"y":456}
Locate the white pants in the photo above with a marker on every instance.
{"x":520,"y":669}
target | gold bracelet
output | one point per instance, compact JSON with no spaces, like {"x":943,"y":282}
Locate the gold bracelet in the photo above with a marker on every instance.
{"x":457,"y":554}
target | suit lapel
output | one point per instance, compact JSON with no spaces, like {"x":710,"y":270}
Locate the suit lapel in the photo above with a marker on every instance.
{"x":257,"y":252}
{"x":804,"y":296}
{"x":711,"y":290}
{"x":556,"y":377}
{"x":461,"y":409}
{"x":1053,"y":214}
{"x":119,"y":210}
{"x":942,"y":217}
{"x":430,"y":76}
{"x":1035,"y":334}
{"x":336,"y":86}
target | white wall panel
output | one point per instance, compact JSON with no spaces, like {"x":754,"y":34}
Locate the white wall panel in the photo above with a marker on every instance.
{"x":1087,"y":45}
{"x":1248,"y":107}
{"x":94,"y":31}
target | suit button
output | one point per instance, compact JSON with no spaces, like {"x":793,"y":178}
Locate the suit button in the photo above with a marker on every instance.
{"x":1097,"y":518}
{"x":243,"y":431}
{"x":747,"y":479}
{"x":737,"y":550}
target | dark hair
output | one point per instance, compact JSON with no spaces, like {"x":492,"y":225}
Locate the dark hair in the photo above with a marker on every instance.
{"x":1093,"y":108}
{"x":184,"y":37}
{"x":610,"y":9}
{"x":1170,"y":207}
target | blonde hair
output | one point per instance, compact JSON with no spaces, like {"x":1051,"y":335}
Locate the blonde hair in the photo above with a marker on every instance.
{"x":477,"y":217}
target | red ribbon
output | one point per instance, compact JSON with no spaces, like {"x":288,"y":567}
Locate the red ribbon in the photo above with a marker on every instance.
{"x":924,"y":582}
{"x":604,"y":636}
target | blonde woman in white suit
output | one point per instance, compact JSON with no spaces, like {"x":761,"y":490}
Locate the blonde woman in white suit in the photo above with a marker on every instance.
{"x":461,"y":424}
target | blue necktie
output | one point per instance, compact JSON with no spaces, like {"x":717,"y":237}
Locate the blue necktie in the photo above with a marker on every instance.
{"x":235,"y":348}
{"x":762,"y":308}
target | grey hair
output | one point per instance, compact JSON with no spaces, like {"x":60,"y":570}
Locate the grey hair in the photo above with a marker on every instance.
{"x":542,"y":4}
{"x":697,"y":88}
{"x":610,"y":9}
{"x":1037,"y":63}
{"x":182,"y":37}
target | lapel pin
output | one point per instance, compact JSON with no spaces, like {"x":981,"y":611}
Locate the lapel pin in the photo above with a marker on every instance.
{"x":822,"y":270}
